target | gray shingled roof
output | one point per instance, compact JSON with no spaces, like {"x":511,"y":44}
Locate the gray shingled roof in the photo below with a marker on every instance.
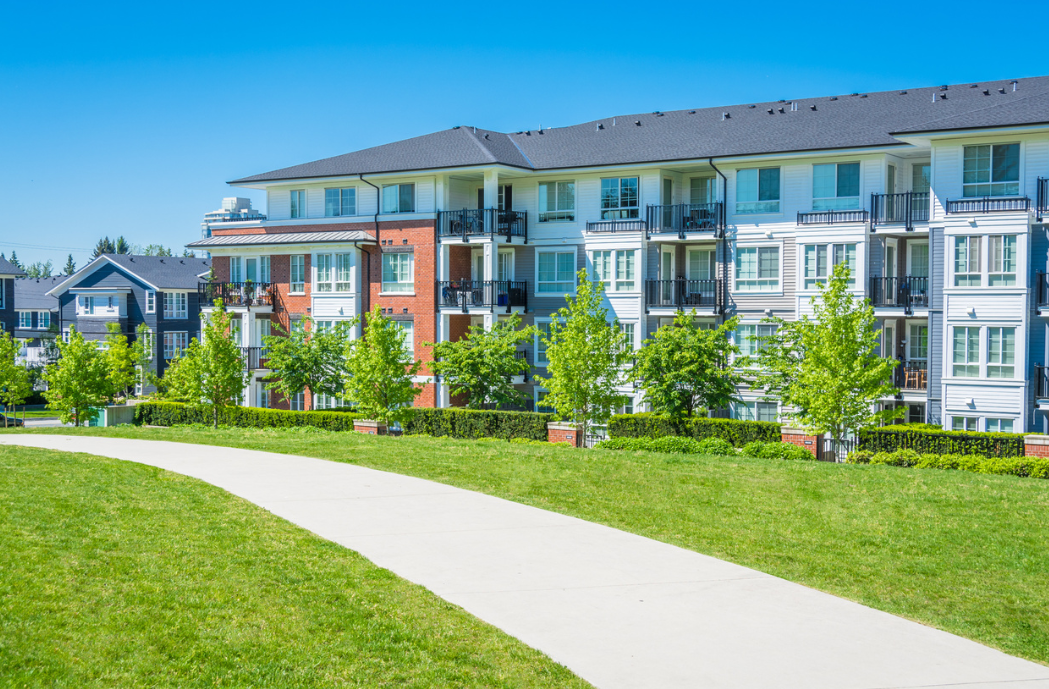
{"x":852,"y":121}
{"x":164,"y":272}
{"x":8,"y":268}
{"x":282,"y":238}
{"x":31,"y":293}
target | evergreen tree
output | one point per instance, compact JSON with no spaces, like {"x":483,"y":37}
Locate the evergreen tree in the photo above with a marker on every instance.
{"x":380,"y":369}
{"x":39,"y":270}
{"x":70,"y":266}
{"x":121,"y":246}
{"x":77,"y":383}
{"x":14,"y":260}
{"x":104,"y":246}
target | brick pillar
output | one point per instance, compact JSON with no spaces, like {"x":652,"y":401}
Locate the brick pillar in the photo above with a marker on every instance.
{"x":564,"y":433}
{"x":801,"y":438}
{"x":1036,"y":445}
{"x":370,"y":427}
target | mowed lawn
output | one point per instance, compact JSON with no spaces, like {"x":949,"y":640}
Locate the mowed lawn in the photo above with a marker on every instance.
{"x":117,"y":574}
{"x":963,"y":552}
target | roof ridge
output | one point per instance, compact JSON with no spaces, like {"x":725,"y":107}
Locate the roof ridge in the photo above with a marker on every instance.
{"x":484,"y":149}
{"x":992,"y":106}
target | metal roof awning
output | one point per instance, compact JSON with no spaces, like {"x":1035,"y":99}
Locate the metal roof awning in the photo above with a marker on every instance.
{"x":233,"y":240}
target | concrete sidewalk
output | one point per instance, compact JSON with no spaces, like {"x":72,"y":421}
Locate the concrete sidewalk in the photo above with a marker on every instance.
{"x":617,"y":609}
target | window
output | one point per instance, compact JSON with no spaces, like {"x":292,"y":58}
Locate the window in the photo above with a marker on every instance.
{"x":340,"y":202}
{"x":262,"y":396}
{"x":397,"y":273}
{"x":398,"y":198}
{"x":556,"y":201}
{"x":327,"y":402}
{"x":757,"y":269}
{"x":556,"y":272}
{"x":999,"y":425}
{"x":967,"y":261}
{"x":264,"y":268}
{"x":625,"y":271}
{"x":619,"y":198}
{"x":750,"y":337}
{"x":817,"y":267}
{"x":148,"y":343}
{"x":628,"y":405}
{"x":629,"y":329}
{"x":175,"y":344}
{"x":151,"y":301}
{"x":3,"y":288}
{"x":25,"y":319}
{"x":701,"y":265}
{"x":919,"y":260}
{"x":343,"y":262}
{"x":298,"y":275}
{"x":835,"y":186}
{"x":702,"y":190}
{"x":603,"y":268}
{"x":408,"y":333}
{"x":921,"y":177}
{"x":916,"y":413}
{"x":991,"y":170}
{"x":540,"y":345}
{"x":323,"y":326}
{"x":966,"y":352}
{"x":85,"y":305}
{"x":298,"y":204}
{"x":540,"y":407}
{"x":757,"y":411}
{"x":919,"y":342}
{"x":1002,"y":271}
{"x":43,"y":320}
{"x":757,"y":190}
{"x":324,"y":273}
{"x":176,"y":305}
{"x":297,"y":401}
{"x":623,"y":262}
{"x":1001,"y":352}
{"x":963,"y":423}
{"x":236,"y":270}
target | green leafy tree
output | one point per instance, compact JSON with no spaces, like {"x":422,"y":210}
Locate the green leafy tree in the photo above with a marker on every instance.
{"x":308,"y":358}
{"x":684,"y":368}
{"x":119,"y":358}
{"x":209,"y":372}
{"x":482,"y":364}
{"x":588,"y":358}
{"x":39,"y":270}
{"x":379,"y":371}
{"x":77,"y":383}
{"x":826,"y":369}
{"x":70,"y":267}
{"x":156,"y":250}
{"x":15,"y":385}
{"x":143,"y":352}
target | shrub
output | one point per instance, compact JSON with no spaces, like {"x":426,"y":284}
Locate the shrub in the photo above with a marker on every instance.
{"x":737,"y":433}
{"x":921,"y":439}
{"x":175,"y":414}
{"x":670,"y":445}
{"x":859,"y":457}
{"x":473,"y":423}
{"x":716,"y":446}
{"x":1034,"y":467}
{"x":776,"y":450}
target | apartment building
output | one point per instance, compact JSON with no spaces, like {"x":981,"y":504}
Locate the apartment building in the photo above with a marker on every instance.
{"x":37,"y":317}
{"x":934,"y":196}
{"x":8,"y":273}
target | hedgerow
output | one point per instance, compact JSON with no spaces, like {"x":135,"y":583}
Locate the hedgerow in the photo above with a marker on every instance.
{"x":670,"y":444}
{"x":475,"y":423}
{"x":736,"y":432}
{"x":776,"y":450}
{"x":932,"y":441}
{"x":175,"y":414}
{"x":1033,"y":467}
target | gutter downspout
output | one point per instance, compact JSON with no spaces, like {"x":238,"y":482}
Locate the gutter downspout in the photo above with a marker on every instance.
{"x":378,"y":207}
{"x":721,"y":233}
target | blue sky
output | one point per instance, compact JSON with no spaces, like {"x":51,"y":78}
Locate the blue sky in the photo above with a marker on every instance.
{"x":128,"y":119}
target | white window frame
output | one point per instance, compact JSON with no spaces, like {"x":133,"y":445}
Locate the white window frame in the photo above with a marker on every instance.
{"x":537,"y":345}
{"x":712,"y":262}
{"x":994,"y":424}
{"x":3,"y":289}
{"x":911,"y":246}
{"x":297,"y":402}
{"x":758,"y":206}
{"x":619,"y":211}
{"x":996,"y":363}
{"x":555,"y":291}
{"x":298,"y":204}
{"x":1002,"y":252}
{"x":968,"y":363}
{"x":398,"y":286}
{"x":43,"y":320}
{"x":630,"y":328}
{"x":748,"y":342}
{"x":968,"y":423}
{"x":977,"y":189}
{"x":748,"y":410}
{"x":176,"y":305}
{"x":833,"y":254}
{"x":297,"y":269}
{"x":323,"y":273}
{"x":617,"y":271}
{"x":175,"y":342}
{"x":557,"y":213}
{"x":342,"y":205}
{"x":384,"y":205}
{"x":754,"y":285}
{"x":151,"y":301}
{"x":408,"y":334}
{"x":25,"y":320}
{"x":973,"y":275}
{"x":837,"y":202}
{"x":342,"y":272}
{"x":148,"y":343}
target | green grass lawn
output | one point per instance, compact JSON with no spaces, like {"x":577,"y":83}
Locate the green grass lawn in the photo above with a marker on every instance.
{"x":117,"y":574}
{"x":968,"y":553}
{"x":35,"y":414}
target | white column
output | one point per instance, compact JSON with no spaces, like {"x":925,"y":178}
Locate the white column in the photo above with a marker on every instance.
{"x":247,"y":329}
{"x":491,"y":195}
{"x":489,"y":320}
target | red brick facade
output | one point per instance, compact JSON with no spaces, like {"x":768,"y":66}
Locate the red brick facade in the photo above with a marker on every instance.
{"x":564,"y":433}
{"x":1036,"y":446}
{"x":798,"y":437}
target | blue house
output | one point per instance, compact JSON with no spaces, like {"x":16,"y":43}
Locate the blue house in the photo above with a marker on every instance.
{"x":36,"y":314}
{"x":158,"y":291}
{"x":8,"y":273}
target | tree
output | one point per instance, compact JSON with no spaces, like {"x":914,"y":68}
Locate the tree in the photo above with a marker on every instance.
{"x":308,"y":358}
{"x":588,"y":357}
{"x":142,"y":352}
{"x":684,"y":367}
{"x":481,"y":365}
{"x":119,"y":359}
{"x":76,"y":383}
{"x":38,"y":270}
{"x":70,"y":266}
{"x":14,"y":260}
{"x":155,"y":250}
{"x":15,"y":385}
{"x":104,"y":246}
{"x":379,"y":371}
{"x":209,"y":372}
{"x":826,"y":369}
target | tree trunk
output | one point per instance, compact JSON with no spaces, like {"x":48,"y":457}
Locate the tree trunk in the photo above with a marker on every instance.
{"x":215,"y":414}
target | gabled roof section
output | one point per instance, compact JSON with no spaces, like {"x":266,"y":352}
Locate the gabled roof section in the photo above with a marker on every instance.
{"x":159,"y":272}
{"x":282,"y":238}
{"x":859,"y":120}
{"x":8,"y":268}
{"x":31,"y":294}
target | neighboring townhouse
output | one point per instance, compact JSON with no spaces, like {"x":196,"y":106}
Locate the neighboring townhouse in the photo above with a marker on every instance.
{"x":161,"y":292}
{"x":8,"y":273}
{"x":36,"y":316}
{"x":935,"y":197}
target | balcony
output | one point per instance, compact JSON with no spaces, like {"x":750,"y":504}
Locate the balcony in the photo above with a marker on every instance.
{"x":904,"y":292}
{"x":912,"y":375}
{"x":247,"y":294}
{"x":482,"y":294}
{"x":990,"y":204}
{"x":832,"y":217}
{"x":687,"y":217}
{"x":683,"y":294}
{"x":255,"y":357}
{"x":899,"y":209}
{"x":1041,"y":382}
{"x":482,"y":222}
{"x":1041,"y":290}
{"x":616,"y":226}
{"x":1042,"y":198}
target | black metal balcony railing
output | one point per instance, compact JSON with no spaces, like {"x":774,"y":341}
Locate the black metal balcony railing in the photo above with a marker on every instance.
{"x":255,"y":357}
{"x":482,"y":221}
{"x":237,"y":293}
{"x":1042,"y":198}
{"x":687,"y":217}
{"x":683,"y":294}
{"x":1042,"y":289}
{"x":832,"y":217}
{"x":912,"y":375}
{"x":989,"y":204}
{"x":616,"y":226}
{"x":1041,"y":382}
{"x":907,"y":292}
{"x":906,"y":208}
{"x":468,"y":294}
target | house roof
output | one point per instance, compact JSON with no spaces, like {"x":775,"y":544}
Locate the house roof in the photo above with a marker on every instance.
{"x":158,"y":272}
{"x":32,"y":293}
{"x":282,"y":238}
{"x":829,"y":122}
{"x":8,"y":268}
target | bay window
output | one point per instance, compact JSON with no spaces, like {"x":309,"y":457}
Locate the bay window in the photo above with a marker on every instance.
{"x":619,"y":198}
{"x":835,"y":186}
{"x":820,"y":260}
{"x":757,"y":190}
{"x":757,"y":269}
{"x":1001,"y":352}
{"x":556,"y":201}
{"x":556,"y":272}
{"x":602,"y":261}
{"x":1002,"y":270}
{"x":397,"y":272}
{"x":966,"y":352}
{"x":991,"y":170}
{"x":343,"y":263}
{"x":324,"y":273}
{"x":967,"y":261}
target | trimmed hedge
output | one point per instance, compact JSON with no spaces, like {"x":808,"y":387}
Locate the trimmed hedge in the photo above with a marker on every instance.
{"x":736,"y":432}
{"x":922,"y":441}
{"x":777,"y":450}
{"x":1033,"y":467}
{"x":670,"y":444}
{"x":476,"y":423}
{"x":175,"y":414}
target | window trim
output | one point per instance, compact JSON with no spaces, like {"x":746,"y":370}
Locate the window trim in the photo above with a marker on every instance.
{"x":759,"y":211}
{"x":970,"y":275}
{"x":291,"y":274}
{"x":1002,"y":274}
{"x":341,"y":210}
{"x":778,"y":288}
{"x":738,"y":341}
{"x":999,"y":365}
{"x":173,"y":334}
{"x":323,"y":286}
{"x":613,"y":281}
{"x":411,"y":273}
{"x":398,"y":185}
{"x":574,"y":251}
{"x":176,"y":314}
{"x":837,"y":188}
{"x":990,"y":171}
{"x":568,"y":213}
{"x":40,"y":317}
{"x":617,"y":212}
{"x":540,"y":363}
{"x":151,"y":301}
{"x":21,"y":318}
{"x":832,"y":249}
{"x":298,"y":204}
{"x":968,"y":362}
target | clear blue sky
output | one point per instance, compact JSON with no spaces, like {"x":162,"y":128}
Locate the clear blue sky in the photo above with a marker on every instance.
{"x":128,"y":120}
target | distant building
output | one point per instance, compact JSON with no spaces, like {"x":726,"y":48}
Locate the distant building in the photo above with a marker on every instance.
{"x":36,"y":311}
{"x":234,"y":209}
{"x":8,"y":273}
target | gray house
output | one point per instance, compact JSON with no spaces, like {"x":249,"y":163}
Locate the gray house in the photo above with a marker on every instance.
{"x":8,"y":273}
{"x":160,"y":292}
{"x":36,"y":315}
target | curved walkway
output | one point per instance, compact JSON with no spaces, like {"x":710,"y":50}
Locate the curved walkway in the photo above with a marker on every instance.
{"x":619,"y":610}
